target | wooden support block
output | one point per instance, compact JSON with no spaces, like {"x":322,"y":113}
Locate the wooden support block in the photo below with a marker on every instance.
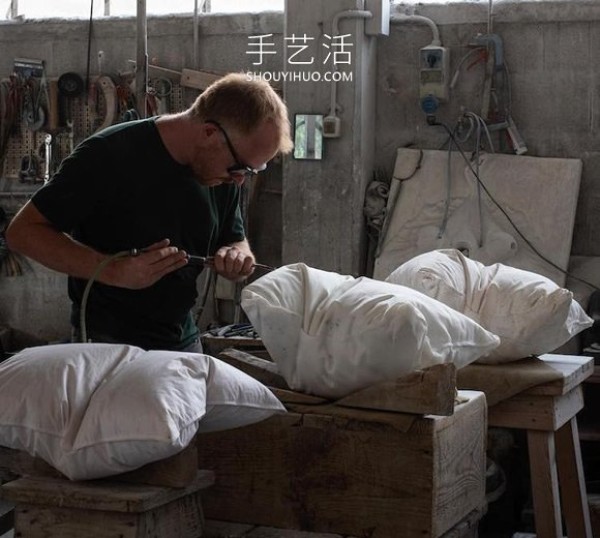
{"x":176,"y":471}
{"x":57,"y":508}
{"x":574,"y":369}
{"x":101,"y":495}
{"x":536,"y":412}
{"x":354,"y":475}
{"x":427,"y":392}
{"x":291,"y":397}
{"x":260,"y":369}
{"x":18,"y":462}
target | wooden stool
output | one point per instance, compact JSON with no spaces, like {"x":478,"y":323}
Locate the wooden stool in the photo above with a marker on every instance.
{"x":59,"y":508}
{"x":548,"y":413}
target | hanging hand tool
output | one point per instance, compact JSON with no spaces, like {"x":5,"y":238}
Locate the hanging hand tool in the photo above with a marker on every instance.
{"x":109,"y":92}
{"x":70,"y":85}
{"x":47,"y":156}
{"x":70,"y":135}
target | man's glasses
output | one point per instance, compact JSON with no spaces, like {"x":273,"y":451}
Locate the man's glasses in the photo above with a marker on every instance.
{"x":237,"y":169}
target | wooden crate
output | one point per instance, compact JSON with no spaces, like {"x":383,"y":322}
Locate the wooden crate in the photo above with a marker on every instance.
{"x":357,"y":472}
{"x":58,"y":508}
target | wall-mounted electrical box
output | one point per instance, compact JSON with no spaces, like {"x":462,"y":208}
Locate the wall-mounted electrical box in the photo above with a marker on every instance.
{"x":434,"y":77}
{"x":332,"y":127}
{"x":379,"y":23}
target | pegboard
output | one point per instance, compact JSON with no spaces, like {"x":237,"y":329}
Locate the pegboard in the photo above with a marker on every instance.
{"x":87,"y":114}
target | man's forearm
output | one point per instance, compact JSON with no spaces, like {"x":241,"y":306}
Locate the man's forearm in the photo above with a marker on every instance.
{"x":31,"y":236}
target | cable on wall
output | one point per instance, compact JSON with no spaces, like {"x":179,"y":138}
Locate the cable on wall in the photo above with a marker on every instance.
{"x":503,"y":211}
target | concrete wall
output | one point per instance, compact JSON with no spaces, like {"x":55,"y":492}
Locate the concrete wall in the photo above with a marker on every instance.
{"x":63,"y":44}
{"x":36,"y":301}
{"x":550,"y":49}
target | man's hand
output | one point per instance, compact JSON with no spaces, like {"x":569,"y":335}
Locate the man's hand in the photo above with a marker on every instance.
{"x":234,"y":262}
{"x":137,"y":272}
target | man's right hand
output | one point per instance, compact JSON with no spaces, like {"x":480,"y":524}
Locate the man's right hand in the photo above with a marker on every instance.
{"x":143,"y":270}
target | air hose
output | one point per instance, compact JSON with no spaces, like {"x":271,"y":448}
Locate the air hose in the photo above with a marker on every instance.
{"x":86,"y":292}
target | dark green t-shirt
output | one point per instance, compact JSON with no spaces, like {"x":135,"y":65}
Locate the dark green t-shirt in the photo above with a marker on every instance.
{"x":121,"y":189}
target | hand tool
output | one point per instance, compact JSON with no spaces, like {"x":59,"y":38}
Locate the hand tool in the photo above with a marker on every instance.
{"x":209,"y":261}
{"x":205,"y":261}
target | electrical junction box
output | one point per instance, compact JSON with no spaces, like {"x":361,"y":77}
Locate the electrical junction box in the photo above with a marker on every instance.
{"x":332,"y":127}
{"x":434,"y":72}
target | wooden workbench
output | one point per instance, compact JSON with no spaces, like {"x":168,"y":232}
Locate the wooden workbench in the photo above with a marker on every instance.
{"x":547,"y":412}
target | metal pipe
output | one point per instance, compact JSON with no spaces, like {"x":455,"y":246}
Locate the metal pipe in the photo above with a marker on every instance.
{"x":401,"y":17}
{"x":196,"y":34}
{"x":141,"y":65}
{"x":107,"y":8}
{"x":14,"y":9}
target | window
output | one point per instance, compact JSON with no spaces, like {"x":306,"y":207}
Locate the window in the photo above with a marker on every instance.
{"x":36,"y":9}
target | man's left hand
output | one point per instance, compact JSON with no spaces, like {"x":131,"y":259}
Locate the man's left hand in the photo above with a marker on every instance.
{"x":234,"y":263}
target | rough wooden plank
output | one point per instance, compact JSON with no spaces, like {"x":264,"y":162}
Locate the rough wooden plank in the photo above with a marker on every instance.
{"x":19,"y":463}
{"x":572,"y":481}
{"x":293,"y":397}
{"x":97,"y":494}
{"x":178,"y":471}
{"x":34,"y":521}
{"x":349,"y":477}
{"x":460,"y":463}
{"x":503,"y":381}
{"x":429,"y":391}
{"x":264,"y":371}
{"x":536,"y":412}
{"x":198,"y":79}
{"x":349,"y":418}
{"x":574,"y":370}
{"x":180,"y":518}
{"x":544,"y":484}
{"x":155,"y":71}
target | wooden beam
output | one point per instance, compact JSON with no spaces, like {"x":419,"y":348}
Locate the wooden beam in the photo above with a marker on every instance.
{"x":427,"y":392}
{"x":260,"y":369}
{"x":198,"y":79}
{"x":98,"y":494}
{"x":176,"y":472}
{"x":293,"y":397}
{"x":162,"y":72}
